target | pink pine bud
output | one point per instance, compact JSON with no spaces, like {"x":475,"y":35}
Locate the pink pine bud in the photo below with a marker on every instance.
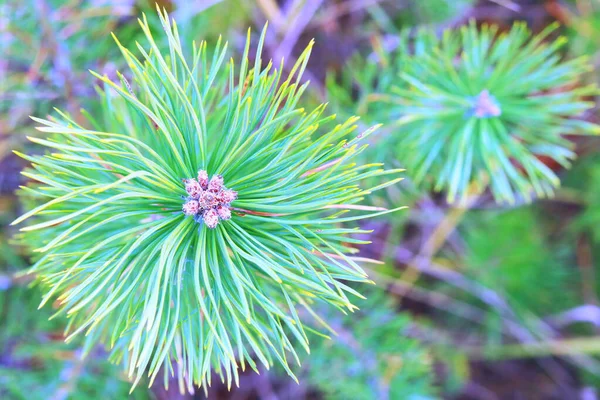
{"x":211,"y":218}
{"x":227,"y":196}
{"x":203,"y":178}
{"x":208,"y":199}
{"x":224,"y":212}
{"x":192,"y":187}
{"x":486,"y":106}
{"x":191,"y":207}
{"x":216,"y":183}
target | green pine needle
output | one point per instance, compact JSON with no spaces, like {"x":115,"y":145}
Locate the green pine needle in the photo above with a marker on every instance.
{"x":164,"y":291}
{"x":476,"y":107}
{"x":483,"y":106}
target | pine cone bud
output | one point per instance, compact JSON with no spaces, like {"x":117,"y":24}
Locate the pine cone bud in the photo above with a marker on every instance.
{"x":192,"y":187}
{"x":208,"y":199}
{"x":224,"y":212}
{"x":211,"y":218}
{"x":216,"y":183}
{"x":191,"y":207}
{"x":203,"y":178}
{"x":227,"y":196}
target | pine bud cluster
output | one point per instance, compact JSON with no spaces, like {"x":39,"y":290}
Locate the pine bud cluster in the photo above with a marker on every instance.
{"x":208,"y":201}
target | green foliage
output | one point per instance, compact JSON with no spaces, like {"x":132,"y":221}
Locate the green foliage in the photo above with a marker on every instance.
{"x":128,"y":267}
{"x":366,"y":79}
{"x":510,"y":253}
{"x":371,"y":357}
{"x":37,"y":364}
{"x":358,"y":91}
{"x":35,"y":361}
{"x":583,"y":27}
{"x":492,"y":114}
{"x":432,"y":11}
{"x":589,"y":182}
{"x":477,"y":107}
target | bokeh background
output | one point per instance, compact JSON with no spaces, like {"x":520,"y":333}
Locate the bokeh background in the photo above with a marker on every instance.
{"x":481,"y":301}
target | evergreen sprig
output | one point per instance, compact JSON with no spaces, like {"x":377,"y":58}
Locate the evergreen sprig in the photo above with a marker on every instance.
{"x":162,"y":289}
{"x":488,"y":106}
{"x":478,"y":105}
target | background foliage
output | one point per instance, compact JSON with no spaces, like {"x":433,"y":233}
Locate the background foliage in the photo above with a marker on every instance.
{"x":475,"y":299}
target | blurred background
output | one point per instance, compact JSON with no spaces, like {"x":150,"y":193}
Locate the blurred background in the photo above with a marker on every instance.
{"x":481,"y":301}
